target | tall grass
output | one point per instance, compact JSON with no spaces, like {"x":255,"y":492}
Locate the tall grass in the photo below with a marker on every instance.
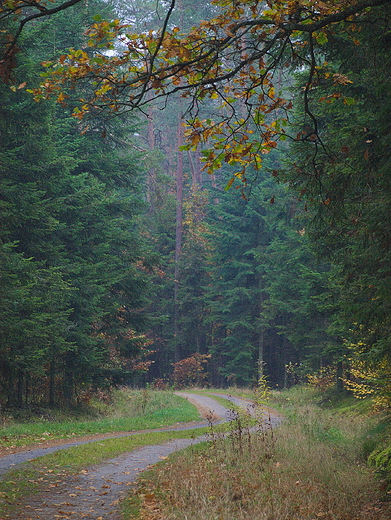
{"x":310,"y":467}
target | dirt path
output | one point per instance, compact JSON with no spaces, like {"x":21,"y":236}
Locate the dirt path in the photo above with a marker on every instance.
{"x":97,"y":490}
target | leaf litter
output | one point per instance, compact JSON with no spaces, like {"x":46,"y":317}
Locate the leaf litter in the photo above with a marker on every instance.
{"x":95,"y":492}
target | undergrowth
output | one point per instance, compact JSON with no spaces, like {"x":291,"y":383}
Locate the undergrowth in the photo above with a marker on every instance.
{"x":312,"y":466}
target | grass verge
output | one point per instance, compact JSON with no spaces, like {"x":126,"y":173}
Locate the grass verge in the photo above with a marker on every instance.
{"x":44,"y":472}
{"x":129,"y":410}
{"x":311,"y":467}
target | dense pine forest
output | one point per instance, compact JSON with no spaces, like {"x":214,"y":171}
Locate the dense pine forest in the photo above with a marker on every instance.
{"x":220,"y":216}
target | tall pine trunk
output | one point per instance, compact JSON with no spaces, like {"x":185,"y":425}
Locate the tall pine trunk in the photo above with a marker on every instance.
{"x":52,"y":372}
{"x":178,"y":236}
{"x":179,"y":217}
{"x":151,"y":170}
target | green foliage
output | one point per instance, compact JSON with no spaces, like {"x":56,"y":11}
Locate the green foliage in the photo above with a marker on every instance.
{"x":344,"y":179}
{"x":73,"y":279}
{"x":248,"y":291}
{"x":380,"y":459}
{"x":235,"y":292}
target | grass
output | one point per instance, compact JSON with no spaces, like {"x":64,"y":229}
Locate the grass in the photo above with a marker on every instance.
{"x":156,"y":409}
{"x":245,"y":393}
{"x":32,"y":476}
{"x":311,"y":467}
{"x":129,"y":410}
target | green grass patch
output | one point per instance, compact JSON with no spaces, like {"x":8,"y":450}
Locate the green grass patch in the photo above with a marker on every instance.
{"x":130,"y":411}
{"x":223,"y":401}
{"x":79,"y":457}
{"x":245,"y":393}
{"x":33,"y":476}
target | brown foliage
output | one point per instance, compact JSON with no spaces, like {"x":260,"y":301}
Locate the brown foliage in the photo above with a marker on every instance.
{"x":190,"y":371}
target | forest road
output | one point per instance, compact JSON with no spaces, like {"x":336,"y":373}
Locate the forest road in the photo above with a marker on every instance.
{"x":96,"y":491}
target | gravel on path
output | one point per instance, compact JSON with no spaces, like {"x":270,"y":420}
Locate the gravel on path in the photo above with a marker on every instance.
{"x":96,"y":491}
{"x":10,"y":461}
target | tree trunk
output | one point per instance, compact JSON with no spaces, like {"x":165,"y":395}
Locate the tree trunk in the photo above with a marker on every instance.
{"x":261,"y":347}
{"x":151,"y":171}
{"x":52,"y":372}
{"x":178,"y":235}
{"x":340,"y":385}
{"x":19,"y":388}
{"x":69,"y":383}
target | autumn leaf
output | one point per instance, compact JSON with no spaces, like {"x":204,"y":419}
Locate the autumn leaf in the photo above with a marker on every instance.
{"x":198,"y":64}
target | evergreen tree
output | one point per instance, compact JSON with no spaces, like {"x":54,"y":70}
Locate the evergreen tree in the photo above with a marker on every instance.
{"x":237,"y":291}
{"x":345,"y":180}
{"x":69,"y":208}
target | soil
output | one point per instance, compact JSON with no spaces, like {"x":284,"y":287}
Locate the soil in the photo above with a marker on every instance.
{"x":95,"y":493}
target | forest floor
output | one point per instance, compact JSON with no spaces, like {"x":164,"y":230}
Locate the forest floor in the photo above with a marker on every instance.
{"x":95,"y":492}
{"x":310,"y":477}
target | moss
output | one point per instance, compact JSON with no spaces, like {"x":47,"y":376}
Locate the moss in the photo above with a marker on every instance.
{"x":381,"y":461}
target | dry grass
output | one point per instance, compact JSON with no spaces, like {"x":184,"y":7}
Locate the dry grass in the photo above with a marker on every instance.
{"x":308,"y":468}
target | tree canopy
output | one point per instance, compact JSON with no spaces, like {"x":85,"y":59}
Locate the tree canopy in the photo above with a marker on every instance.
{"x":14,"y":16}
{"x":73,"y":269}
{"x":293,"y":92}
{"x":238,"y":58}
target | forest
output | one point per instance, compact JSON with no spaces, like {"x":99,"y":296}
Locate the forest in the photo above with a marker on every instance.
{"x":194,"y":193}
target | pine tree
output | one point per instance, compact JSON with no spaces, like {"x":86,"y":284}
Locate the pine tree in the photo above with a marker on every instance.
{"x":346,"y":182}
{"x":69,"y":207}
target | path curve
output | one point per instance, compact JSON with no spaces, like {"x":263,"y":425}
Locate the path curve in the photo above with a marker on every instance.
{"x":95,"y":492}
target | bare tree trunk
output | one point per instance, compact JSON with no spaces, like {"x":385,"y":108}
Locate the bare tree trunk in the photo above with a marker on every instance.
{"x":52,"y":372}
{"x":261,"y":342}
{"x":179,"y":216}
{"x":19,"y":388}
{"x":178,"y":235}
{"x":151,"y":146}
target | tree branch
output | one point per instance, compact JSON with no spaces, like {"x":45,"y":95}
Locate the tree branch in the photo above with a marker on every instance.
{"x":42,"y":11}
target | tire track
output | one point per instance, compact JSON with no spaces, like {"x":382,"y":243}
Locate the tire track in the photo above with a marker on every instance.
{"x":95,"y":493}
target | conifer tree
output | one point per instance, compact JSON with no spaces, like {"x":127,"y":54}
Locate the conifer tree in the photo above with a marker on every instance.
{"x":345,"y":182}
{"x":69,"y":210}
